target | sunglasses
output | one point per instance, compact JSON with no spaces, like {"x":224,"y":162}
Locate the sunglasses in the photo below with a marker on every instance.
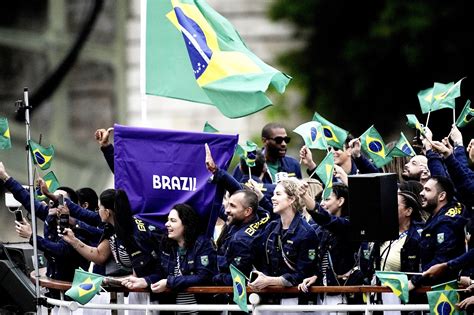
{"x":279,"y":140}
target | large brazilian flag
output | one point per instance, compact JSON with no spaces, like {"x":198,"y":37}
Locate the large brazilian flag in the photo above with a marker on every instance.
{"x":195,"y":54}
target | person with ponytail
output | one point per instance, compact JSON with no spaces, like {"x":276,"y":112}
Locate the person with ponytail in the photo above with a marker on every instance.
{"x":122,"y":238}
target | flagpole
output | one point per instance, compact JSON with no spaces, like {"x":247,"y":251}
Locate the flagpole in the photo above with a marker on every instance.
{"x":32,"y":197}
{"x":428,"y":119}
{"x":454,"y":116}
{"x":143,"y":98}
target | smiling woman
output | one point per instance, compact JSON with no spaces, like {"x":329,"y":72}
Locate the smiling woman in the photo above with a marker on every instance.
{"x":187,"y":259}
{"x":290,"y":244}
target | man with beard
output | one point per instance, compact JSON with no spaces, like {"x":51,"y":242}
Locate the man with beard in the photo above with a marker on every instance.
{"x":416,"y":168}
{"x":275,"y":141}
{"x":243,"y":227}
{"x":442,"y":238}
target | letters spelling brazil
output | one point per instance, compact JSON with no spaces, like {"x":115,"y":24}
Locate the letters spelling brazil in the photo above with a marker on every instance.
{"x":174,"y":183}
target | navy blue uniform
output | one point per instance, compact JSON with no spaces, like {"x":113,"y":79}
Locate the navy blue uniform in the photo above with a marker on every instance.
{"x":143,"y":256}
{"x":466,"y":260}
{"x":442,"y":239}
{"x":334,"y":240}
{"x":288,"y":253}
{"x":198,"y":264}
{"x":237,"y":249}
{"x":62,"y":258}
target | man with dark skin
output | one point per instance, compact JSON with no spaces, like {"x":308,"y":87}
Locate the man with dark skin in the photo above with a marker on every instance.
{"x":275,"y":141}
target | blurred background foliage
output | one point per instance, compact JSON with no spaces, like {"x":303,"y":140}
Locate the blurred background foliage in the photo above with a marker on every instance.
{"x":364,"y":62}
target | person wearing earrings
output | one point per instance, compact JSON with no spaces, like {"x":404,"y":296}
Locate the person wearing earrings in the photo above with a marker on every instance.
{"x":289,"y":245}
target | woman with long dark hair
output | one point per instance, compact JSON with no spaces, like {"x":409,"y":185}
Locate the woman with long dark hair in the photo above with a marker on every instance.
{"x":336,"y":249}
{"x":187,"y":258}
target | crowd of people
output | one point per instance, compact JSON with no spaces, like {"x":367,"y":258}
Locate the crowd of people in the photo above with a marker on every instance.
{"x":278,"y":231}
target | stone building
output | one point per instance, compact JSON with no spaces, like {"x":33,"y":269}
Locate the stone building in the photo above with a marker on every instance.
{"x":102,"y":87}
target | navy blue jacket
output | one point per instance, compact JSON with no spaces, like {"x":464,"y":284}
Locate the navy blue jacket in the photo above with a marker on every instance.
{"x":108,"y":152}
{"x":237,"y":248}
{"x":144,"y":257}
{"x":442,"y":239}
{"x":198,"y":264}
{"x":365,"y":166}
{"x":285,"y":164}
{"x":334,"y":238}
{"x":23,"y":196}
{"x":463,"y":261}
{"x":299,"y":245}
{"x":461,"y":175}
{"x":62,"y":258}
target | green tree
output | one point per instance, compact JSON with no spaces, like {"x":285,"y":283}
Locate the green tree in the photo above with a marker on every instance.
{"x":365,"y":61}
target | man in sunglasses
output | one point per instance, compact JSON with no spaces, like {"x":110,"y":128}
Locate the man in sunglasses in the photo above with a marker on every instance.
{"x":275,"y":141}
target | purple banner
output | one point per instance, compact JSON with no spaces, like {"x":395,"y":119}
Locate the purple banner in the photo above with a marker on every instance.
{"x":160,"y":168}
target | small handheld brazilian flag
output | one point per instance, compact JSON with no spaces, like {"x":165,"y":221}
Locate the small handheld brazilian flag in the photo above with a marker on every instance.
{"x":248,"y":152}
{"x":373,"y":145}
{"x":335,"y":136}
{"x":41,"y":156}
{"x":240,"y":288}
{"x":413,"y":122}
{"x":439,"y":96}
{"x":450,"y":285}
{"x":444,"y":302}
{"x":325,"y":172}
{"x":402,"y":148}
{"x":209,"y":128}
{"x":85,"y":286}
{"x":466,"y":116}
{"x":313,"y":135}
{"x":52,"y":184}
{"x":396,"y":281}
{"x":5,"y":141}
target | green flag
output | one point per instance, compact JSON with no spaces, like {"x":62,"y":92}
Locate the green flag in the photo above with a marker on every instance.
{"x":444,"y":95}
{"x":240,"y":288}
{"x":413,"y":122}
{"x":5,"y":141}
{"x":402,"y":148}
{"x":373,"y":145}
{"x":248,"y":152}
{"x":396,"y":281}
{"x":195,"y":54}
{"x":51,"y":182}
{"x":325,"y":172}
{"x":444,"y":302}
{"x":450,"y":285}
{"x":85,"y":286}
{"x":425,"y":98}
{"x":466,"y":116}
{"x":313,"y":135}
{"x":439,"y":96}
{"x":41,"y":156}
{"x":335,"y":136}
{"x":209,"y":128}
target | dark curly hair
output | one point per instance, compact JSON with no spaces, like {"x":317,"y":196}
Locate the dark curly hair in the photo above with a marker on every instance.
{"x":190,"y":220}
